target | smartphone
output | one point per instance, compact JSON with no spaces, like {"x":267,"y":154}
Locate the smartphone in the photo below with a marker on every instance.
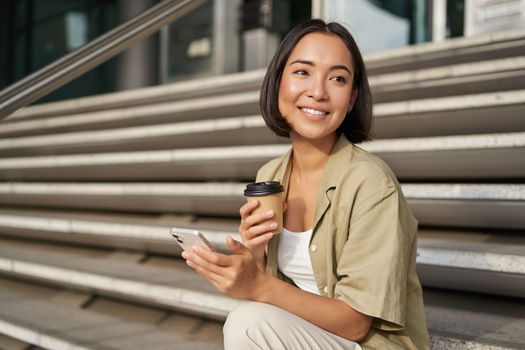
{"x":188,"y":238}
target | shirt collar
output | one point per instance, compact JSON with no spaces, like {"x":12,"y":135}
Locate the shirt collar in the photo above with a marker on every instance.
{"x":341,"y":152}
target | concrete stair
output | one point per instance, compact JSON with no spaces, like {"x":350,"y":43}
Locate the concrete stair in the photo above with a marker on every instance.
{"x":456,"y":51}
{"x":89,"y":188}
{"x":157,"y":282}
{"x":467,"y":205}
{"x":451,"y":115}
{"x":468,"y":258}
{"x":440,"y":157}
{"x":52,"y":318}
{"x":455,"y":79}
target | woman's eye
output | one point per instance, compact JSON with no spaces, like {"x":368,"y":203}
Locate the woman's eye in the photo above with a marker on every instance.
{"x":301,"y":72}
{"x":339,"y":79}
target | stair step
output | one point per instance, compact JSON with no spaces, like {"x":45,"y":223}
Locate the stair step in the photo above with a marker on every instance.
{"x":474,"y":321}
{"x":237,"y":104}
{"x":219,"y":132}
{"x":156,"y":282}
{"x":203,"y":133}
{"x":161,"y":282}
{"x":491,"y":112}
{"x":460,"y":79}
{"x":461,"y":205}
{"x":229,"y":163}
{"x":39,"y":316}
{"x":466,"y":114}
{"x":191,"y":89}
{"x":147,"y":234}
{"x":472,"y":261}
{"x":446,"y":343}
{"x":452,"y":51}
{"x":447,"y":157}
{"x":8,"y":343}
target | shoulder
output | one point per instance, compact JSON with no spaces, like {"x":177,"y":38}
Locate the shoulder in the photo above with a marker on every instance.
{"x":363,"y":168}
{"x":269,"y":170}
{"x":370,"y":181}
{"x":362,"y":180}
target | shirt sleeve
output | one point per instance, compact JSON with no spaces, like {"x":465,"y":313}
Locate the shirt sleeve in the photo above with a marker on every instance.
{"x":373,"y":267}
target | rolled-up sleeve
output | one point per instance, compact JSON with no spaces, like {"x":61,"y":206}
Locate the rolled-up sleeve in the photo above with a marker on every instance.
{"x":373,"y":267}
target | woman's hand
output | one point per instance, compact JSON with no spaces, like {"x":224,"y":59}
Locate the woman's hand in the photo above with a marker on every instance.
{"x":234,"y":275}
{"x":256,"y":230}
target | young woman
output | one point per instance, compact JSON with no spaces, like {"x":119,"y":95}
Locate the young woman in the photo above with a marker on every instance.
{"x":342,"y":275}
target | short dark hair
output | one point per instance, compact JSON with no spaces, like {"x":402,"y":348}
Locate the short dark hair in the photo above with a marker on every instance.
{"x":357,"y":124}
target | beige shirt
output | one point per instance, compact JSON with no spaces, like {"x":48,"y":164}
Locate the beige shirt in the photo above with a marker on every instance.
{"x":363,"y":247}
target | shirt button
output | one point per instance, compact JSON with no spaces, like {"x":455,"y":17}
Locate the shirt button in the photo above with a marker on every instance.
{"x":313,"y":248}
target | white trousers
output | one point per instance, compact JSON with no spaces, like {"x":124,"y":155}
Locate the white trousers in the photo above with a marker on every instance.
{"x":260,"y":326}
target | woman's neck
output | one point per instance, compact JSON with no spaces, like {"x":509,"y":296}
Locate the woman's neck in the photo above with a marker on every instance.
{"x":310,"y":156}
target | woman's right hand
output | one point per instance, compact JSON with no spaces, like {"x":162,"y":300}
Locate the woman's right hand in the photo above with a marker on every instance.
{"x":256,"y":230}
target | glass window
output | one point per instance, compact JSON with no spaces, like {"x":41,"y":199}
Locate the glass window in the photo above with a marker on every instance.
{"x":455,"y":18}
{"x":76,"y":29}
{"x":382,"y":24}
{"x":41,"y":32}
{"x":190,"y":44}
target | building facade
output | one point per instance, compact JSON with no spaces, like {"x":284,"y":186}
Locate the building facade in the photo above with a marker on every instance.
{"x":222,"y":36}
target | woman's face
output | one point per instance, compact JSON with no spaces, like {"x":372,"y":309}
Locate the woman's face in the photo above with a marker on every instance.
{"x":316,"y":92}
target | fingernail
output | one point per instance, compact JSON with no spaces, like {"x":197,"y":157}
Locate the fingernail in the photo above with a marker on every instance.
{"x":184,"y":255}
{"x":269,"y":213}
{"x":254,"y":201}
{"x":273,"y":225}
{"x":196,"y":248}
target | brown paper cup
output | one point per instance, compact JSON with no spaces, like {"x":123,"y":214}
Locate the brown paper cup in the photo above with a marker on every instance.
{"x":270,"y":196}
{"x":270,"y":202}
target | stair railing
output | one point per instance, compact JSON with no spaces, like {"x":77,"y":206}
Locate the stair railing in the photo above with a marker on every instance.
{"x":87,"y":57}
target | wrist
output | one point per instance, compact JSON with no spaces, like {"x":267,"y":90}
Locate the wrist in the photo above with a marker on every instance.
{"x":263,"y":283}
{"x":261,"y":263}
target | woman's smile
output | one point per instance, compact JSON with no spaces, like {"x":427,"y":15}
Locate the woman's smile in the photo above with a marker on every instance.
{"x":314,"y":114}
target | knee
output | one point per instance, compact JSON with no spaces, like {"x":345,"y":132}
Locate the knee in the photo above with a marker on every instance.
{"x":240,"y":319}
{"x":245,"y":323}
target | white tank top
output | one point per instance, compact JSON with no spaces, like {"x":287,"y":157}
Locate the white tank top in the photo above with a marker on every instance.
{"x":294,"y":261}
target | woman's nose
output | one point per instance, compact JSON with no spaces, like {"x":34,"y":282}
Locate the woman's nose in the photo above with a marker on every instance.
{"x":317,"y":90}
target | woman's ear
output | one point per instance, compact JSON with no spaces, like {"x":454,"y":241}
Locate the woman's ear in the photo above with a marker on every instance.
{"x":352,"y":99}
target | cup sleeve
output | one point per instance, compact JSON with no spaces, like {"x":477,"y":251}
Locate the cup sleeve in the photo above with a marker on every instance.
{"x":374,"y":263}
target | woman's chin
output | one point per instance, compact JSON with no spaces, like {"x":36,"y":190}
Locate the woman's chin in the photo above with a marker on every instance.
{"x":311,"y":135}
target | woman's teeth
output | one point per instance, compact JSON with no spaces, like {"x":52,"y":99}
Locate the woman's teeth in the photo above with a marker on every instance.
{"x":313,"y":111}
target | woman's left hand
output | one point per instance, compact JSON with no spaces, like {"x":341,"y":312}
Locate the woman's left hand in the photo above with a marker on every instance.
{"x":234,"y":275}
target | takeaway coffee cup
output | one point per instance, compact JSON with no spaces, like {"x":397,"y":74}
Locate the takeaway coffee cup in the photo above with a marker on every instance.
{"x":270,"y":196}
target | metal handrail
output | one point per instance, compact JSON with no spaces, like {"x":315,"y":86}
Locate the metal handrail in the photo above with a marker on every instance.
{"x":97,"y":51}
{"x":73,"y":56}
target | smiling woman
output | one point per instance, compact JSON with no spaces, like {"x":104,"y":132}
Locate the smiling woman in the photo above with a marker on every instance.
{"x":316,"y":91}
{"x":342,"y":274}
{"x":348,"y":70}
